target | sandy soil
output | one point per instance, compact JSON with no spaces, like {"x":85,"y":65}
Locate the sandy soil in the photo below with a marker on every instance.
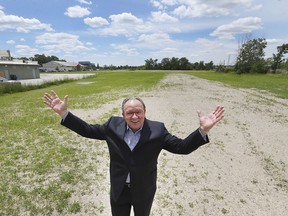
{"x":242,"y":171}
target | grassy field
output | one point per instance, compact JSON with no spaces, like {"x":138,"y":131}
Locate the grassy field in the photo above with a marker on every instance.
{"x":39,"y":174}
{"x":276,"y":84}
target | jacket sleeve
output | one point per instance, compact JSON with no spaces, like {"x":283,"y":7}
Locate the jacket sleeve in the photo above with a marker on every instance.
{"x":183,"y":146}
{"x":84,"y":129}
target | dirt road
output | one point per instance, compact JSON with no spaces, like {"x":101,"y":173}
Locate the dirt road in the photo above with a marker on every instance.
{"x":242,"y":171}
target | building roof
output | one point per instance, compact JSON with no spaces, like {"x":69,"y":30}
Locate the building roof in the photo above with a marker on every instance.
{"x":18,"y":62}
{"x":5,"y":59}
{"x":67,"y":64}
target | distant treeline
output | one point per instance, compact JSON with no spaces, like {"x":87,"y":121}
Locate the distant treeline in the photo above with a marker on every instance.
{"x":250,"y":59}
{"x":177,"y":64}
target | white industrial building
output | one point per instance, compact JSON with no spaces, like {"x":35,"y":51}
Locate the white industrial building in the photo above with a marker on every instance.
{"x":17,"y":69}
{"x":58,"y":66}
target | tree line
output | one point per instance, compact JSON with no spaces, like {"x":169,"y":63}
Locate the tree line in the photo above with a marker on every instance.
{"x":250,"y":59}
{"x":177,"y":64}
{"x":42,"y":59}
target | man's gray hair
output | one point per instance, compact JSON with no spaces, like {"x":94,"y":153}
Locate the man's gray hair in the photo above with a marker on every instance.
{"x":133,"y":98}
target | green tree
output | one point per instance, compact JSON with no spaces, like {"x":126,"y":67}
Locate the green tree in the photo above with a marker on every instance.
{"x":166,"y":64}
{"x":251,"y":53}
{"x":278,"y":58}
{"x":209,"y":66}
{"x":42,"y":59}
{"x":184,"y":63}
{"x":175,"y":63}
{"x":151,"y":64}
{"x":199,"y":65}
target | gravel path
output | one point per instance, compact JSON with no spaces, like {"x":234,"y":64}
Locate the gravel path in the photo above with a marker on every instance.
{"x":244,"y":169}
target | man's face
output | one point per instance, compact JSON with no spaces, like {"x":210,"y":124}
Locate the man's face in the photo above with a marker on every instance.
{"x":134,"y":114}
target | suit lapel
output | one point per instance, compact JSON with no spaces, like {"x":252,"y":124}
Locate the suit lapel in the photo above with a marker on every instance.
{"x":121,"y":145}
{"x":145,"y":134}
{"x":120,"y":130}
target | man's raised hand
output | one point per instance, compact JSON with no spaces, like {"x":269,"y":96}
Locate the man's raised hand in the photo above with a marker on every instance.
{"x":54,"y":102}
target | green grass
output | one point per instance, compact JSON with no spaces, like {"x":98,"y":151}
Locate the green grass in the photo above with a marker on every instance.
{"x":9,"y":88}
{"x":41,"y":164}
{"x":273,"y":83}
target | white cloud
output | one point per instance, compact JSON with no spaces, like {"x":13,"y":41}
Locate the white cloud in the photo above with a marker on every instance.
{"x":156,"y":38}
{"x":96,"y":22}
{"x":125,"y":49}
{"x":22,"y":39}
{"x":125,"y":24}
{"x":276,"y":41}
{"x":169,"y":2}
{"x":85,"y":2}
{"x":162,"y":17}
{"x":242,"y":25}
{"x":157,"y":4}
{"x":61,"y":42}
{"x":25,"y":51}
{"x":208,"y":44}
{"x":21,"y":24}
{"x":199,"y":8}
{"x":199,"y":11}
{"x":167,"y":52}
{"x":256,"y":7}
{"x":163,"y":4}
{"x":272,"y":44}
{"x":155,"y":41}
{"x":77,"y":11}
{"x":89,"y":44}
{"x":125,"y":19}
{"x":10,"y":42}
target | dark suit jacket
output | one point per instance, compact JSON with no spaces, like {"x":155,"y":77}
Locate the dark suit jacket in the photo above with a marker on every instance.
{"x":141,"y":163}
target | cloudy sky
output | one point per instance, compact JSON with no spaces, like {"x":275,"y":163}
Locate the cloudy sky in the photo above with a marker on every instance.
{"x":127,"y":32}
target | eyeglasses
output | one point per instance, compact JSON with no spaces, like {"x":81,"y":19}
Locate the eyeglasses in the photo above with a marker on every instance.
{"x":137,"y":113}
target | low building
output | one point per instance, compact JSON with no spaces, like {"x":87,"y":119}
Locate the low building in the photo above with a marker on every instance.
{"x":87,"y":65}
{"x":13,"y":69}
{"x":59,"y":66}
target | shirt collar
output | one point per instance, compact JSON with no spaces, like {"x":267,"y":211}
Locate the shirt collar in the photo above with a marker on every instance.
{"x":129,"y":129}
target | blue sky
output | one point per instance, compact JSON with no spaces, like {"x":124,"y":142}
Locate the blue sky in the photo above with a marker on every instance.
{"x":127,"y":32}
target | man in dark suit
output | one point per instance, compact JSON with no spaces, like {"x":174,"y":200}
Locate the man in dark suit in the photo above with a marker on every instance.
{"x":134,"y":144}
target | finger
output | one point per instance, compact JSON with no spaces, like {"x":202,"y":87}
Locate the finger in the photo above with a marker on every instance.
{"x":47,"y":103}
{"x":47,"y":96}
{"x":66,"y":100}
{"x":220,"y":111}
{"x":220,"y":115}
{"x":200,"y":114}
{"x":54,"y":94}
{"x":217,"y":109}
{"x":219,"y":118}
